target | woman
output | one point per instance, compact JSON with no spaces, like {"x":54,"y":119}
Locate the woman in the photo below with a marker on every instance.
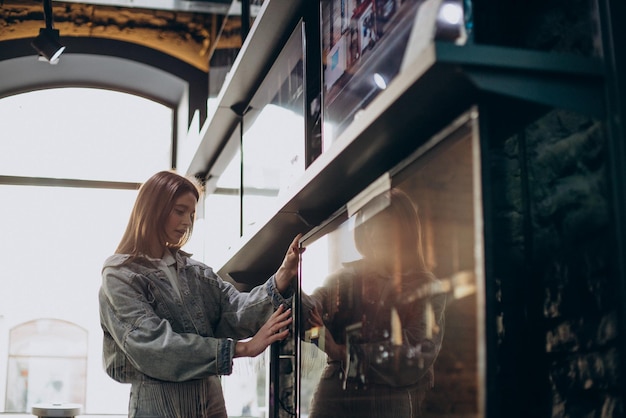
{"x":171,"y":325}
{"x":382,"y":318}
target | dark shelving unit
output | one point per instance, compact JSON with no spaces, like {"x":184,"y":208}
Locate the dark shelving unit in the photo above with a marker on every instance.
{"x":445,"y":80}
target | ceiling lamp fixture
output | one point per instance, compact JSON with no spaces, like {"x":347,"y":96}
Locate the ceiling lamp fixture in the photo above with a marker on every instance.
{"x":47,"y":42}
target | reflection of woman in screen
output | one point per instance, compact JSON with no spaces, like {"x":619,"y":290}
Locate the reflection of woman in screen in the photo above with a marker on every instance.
{"x":383,"y":318}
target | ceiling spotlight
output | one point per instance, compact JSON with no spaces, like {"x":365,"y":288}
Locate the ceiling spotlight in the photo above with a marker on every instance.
{"x":48,"y":45}
{"x":47,"y":42}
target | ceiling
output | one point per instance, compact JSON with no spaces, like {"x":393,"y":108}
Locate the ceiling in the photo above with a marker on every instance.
{"x":158,"y":49}
{"x":187,"y":30}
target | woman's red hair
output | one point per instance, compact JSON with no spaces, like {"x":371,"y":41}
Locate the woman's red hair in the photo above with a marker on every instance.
{"x":153,"y":205}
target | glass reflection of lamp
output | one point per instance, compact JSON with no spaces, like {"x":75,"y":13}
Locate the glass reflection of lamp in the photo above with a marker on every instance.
{"x":451,"y":22}
{"x":380,"y":81}
{"x":47,"y":42}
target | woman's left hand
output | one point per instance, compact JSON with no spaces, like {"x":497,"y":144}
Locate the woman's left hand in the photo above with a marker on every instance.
{"x":275,"y":329}
{"x":335,"y":351}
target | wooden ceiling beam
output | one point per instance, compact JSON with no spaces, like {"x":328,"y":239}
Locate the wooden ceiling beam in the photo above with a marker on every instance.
{"x":188,"y":36}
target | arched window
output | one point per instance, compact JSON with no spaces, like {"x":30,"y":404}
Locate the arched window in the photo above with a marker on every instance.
{"x":71,"y":160}
{"x":47,"y":363}
{"x":84,"y":134}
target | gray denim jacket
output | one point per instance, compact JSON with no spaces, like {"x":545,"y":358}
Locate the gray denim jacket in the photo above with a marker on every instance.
{"x":151,"y":332}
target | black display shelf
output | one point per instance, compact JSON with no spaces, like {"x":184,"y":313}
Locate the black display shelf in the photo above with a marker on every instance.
{"x":444,"y":81}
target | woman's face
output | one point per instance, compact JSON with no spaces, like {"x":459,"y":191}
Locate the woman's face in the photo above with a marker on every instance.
{"x":381,"y":233}
{"x":180,"y":218}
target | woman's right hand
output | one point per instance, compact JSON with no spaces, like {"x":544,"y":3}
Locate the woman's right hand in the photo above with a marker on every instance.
{"x":288,"y":270}
{"x":275,"y":329}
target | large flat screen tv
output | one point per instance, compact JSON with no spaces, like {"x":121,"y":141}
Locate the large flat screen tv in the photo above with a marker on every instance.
{"x":392,"y":291}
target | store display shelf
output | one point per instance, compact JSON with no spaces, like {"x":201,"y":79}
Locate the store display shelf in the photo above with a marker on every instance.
{"x":444,"y":80}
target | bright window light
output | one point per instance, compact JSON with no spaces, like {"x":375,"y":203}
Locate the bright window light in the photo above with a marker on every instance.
{"x":88,"y":134}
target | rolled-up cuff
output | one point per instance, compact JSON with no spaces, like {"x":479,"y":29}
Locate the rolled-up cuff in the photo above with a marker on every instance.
{"x":226,"y":353}
{"x":276,"y":297}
